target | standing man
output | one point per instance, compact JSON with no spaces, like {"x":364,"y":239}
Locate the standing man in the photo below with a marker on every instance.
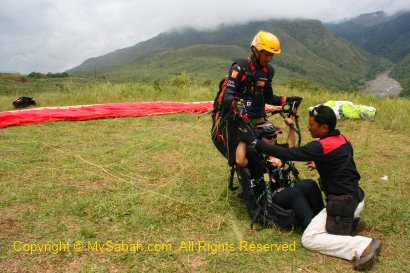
{"x":245,"y":91}
{"x":249,"y":84}
{"x":330,"y":232}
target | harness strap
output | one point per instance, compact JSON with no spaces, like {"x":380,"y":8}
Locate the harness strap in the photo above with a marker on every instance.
{"x":231,"y":177}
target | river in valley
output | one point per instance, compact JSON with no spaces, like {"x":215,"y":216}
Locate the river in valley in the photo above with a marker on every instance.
{"x":383,"y":85}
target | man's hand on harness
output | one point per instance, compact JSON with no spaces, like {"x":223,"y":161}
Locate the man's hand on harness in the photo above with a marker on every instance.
{"x":245,"y":135}
{"x":311,"y":165}
{"x":289,"y":122}
{"x":238,"y":105}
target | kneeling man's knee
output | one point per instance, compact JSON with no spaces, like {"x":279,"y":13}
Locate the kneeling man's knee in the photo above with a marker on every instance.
{"x":307,"y":240}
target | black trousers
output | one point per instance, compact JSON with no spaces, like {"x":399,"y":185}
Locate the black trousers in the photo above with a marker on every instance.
{"x":304,"y":198}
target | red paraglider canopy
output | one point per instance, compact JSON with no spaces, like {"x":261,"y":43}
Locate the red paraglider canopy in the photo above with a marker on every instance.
{"x":87,"y":112}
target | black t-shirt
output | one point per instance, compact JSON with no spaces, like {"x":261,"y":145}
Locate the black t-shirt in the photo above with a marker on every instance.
{"x":333,"y":156}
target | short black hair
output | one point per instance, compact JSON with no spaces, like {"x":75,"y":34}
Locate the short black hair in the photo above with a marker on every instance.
{"x":324,"y":115}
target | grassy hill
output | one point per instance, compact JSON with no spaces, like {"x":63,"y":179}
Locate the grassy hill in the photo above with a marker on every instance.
{"x":401,"y":72}
{"x":158,"y":181}
{"x":310,"y":52}
{"x":379,"y":34}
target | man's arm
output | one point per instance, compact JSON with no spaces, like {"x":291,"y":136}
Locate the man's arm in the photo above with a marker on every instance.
{"x":291,"y":134}
{"x":233,"y":85}
{"x":272,"y":99}
{"x":311,"y":165}
{"x":312,"y":151}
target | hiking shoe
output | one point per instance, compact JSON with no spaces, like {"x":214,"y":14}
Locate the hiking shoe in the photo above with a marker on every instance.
{"x":358,"y":225}
{"x":368,"y":258}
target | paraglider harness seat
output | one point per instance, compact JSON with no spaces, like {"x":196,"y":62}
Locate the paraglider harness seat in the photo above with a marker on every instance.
{"x":279,"y":174}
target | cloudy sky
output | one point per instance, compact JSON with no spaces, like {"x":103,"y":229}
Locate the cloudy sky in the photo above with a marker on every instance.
{"x":56,"y":35}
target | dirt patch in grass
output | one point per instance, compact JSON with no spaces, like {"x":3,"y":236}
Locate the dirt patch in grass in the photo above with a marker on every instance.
{"x":8,"y":224}
{"x":15,"y":79}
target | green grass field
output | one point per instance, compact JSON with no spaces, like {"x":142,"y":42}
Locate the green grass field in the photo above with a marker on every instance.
{"x":148,"y":187}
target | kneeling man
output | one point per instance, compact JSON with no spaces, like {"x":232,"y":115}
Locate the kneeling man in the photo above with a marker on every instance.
{"x":331,"y":231}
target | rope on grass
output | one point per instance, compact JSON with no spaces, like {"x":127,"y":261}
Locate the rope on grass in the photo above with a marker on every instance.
{"x":129,"y":182}
{"x":115,"y":176}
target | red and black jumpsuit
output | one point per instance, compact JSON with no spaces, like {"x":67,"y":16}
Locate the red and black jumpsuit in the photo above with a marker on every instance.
{"x":251,"y":82}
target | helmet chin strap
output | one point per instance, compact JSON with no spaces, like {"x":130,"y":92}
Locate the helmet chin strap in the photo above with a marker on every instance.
{"x":258,"y":64}
{"x":256,"y":57}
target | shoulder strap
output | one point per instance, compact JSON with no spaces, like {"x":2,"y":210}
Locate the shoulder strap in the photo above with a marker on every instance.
{"x":243,"y":63}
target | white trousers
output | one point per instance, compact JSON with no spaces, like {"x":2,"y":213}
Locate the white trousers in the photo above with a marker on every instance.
{"x":316,"y":238}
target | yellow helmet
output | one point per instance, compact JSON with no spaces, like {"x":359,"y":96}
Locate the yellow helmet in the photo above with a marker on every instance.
{"x":266,"y":41}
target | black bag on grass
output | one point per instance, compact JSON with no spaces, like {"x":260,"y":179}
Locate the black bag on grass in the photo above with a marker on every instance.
{"x":23,"y":102}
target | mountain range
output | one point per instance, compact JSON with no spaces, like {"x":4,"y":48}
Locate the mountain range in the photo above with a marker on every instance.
{"x":382,"y":35}
{"x":387,"y":36}
{"x":310,"y":52}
